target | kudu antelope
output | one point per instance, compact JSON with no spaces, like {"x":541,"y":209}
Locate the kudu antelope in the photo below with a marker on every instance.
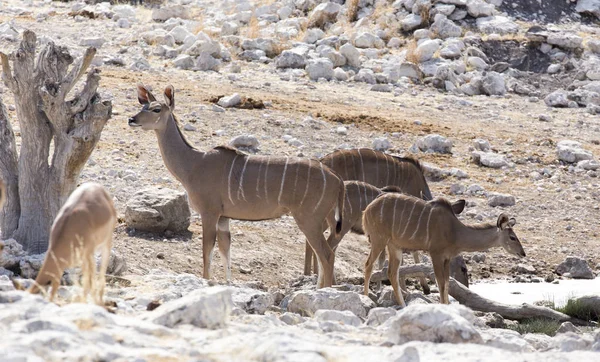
{"x":84,"y":223}
{"x":224,"y":184}
{"x":400,"y":222}
{"x":380,"y":170}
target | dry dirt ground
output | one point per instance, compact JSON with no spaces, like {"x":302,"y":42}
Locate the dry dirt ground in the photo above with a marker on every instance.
{"x":556,"y":218}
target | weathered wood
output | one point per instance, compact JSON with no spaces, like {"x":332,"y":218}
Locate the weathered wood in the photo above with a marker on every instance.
{"x":524,"y":311}
{"x":41,"y":86}
{"x":9,"y":214}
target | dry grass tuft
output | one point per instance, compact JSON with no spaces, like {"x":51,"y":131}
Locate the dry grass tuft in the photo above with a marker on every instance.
{"x":253,"y":30}
{"x":412,"y":54}
{"x":352,"y":9}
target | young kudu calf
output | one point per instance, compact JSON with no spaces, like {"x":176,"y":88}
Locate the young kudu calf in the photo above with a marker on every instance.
{"x":224,"y":184}
{"x":400,"y":222}
{"x":84,"y":223}
{"x":380,"y":170}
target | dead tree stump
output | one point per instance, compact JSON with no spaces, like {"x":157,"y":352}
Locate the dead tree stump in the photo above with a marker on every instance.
{"x":38,"y":181}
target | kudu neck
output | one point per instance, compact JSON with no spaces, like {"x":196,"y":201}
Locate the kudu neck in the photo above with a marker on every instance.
{"x":177,"y":154}
{"x":476,"y":238}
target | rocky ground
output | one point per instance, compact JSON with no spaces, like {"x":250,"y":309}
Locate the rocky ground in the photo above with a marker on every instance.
{"x":510,"y":88}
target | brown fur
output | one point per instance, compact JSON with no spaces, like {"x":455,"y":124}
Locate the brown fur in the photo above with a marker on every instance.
{"x":224,"y":184}
{"x":84,"y":223}
{"x":401,"y":222}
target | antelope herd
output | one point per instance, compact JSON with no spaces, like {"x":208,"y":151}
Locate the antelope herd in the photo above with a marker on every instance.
{"x":362,"y":190}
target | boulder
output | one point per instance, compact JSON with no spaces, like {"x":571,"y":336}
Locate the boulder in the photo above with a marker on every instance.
{"x":437,"y":323}
{"x":378,"y":316}
{"x":445,"y":28}
{"x":365,"y":76}
{"x":410,"y":70}
{"x":489,"y":159}
{"x":434,"y":143}
{"x":158,"y":210}
{"x":313,"y":35}
{"x":336,"y":57}
{"x":594,"y":46}
{"x":497,"y":25}
{"x":206,"y":62}
{"x":252,"y":300}
{"x":479,"y":8}
{"x":589,"y":6}
{"x":504,"y":200}
{"x":565,"y":40}
{"x":204,"y":308}
{"x":167,"y":12}
{"x":426,"y":49}
{"x":319,"y":68}
{"x":507,"y":340}
{"x":290,"y":59}
{"x":368,"y":40}
{"x":411,"y":22}
{"x":342,"y":317}
{"x":558,"y":98}
{"x":230,"y":101}
{"x":576,"y":267}
{"x":307,"y":302}
{"x":452,"y":49}
{"x":572,"y":152}
{"x":244,"y":142}
{"x":351,"y":54}
{"x":324,"y":13}
{"x":493,"y":84}
{"x":477,"y":63}
{"x":482,"y":145}
{"x":569,"y":327}
{"x":381,"y":144}
{"x":184,"y":61}
{"x":95,"y":42}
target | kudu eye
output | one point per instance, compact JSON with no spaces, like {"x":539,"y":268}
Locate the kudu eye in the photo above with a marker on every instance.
{"x":156,"y":110}
{"x":513,"y":238}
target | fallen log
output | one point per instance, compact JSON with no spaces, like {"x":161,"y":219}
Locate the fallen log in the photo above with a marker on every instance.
{"x":515,"y":312}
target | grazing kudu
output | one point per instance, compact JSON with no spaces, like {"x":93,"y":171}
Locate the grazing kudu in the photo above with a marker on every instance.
{"x":400,"y":222}
{"x":84,"y":223}
{"x":380,"y":170}
{"x":224,"y":184}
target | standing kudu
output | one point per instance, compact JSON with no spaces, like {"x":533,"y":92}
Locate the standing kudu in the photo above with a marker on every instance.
{"x":224,"y":184}
{"x":401,"y":222}
{"x":380,"y":170}
{"x":84,"y":223}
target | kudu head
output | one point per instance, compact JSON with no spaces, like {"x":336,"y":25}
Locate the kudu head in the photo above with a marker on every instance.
{"x":508,"y":239}
{"x":154,"y":114}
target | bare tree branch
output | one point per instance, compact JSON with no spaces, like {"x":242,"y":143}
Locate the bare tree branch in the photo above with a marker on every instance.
{"x":78,"y":70}
{"x":9,"y":219}
{"x":7,"y":77}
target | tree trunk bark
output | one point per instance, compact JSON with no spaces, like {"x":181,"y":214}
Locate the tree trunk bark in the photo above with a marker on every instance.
{"x":40,"y":87}
{"x":9,"y":214}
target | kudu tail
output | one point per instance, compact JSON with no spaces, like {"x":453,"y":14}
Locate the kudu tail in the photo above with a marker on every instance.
{"x":339,"y":209}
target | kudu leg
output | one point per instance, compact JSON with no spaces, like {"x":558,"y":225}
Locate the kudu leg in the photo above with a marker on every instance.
{"x":422,"y":279}
{"x":438,"y":269}
{"x":308,"y":258}
{"x":106,"y":247}
{"x":320,"y":246}
{"x":224,"y":240}
{"x":395,"y":255}
{"x":209,"y":238}
{"x":376,"y":250}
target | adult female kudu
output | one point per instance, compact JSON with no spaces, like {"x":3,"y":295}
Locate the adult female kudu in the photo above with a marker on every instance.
{"x":400,"y":222}
{"x":224,"y":184}
{"x":380,"y":170}
{"x":84,"y":223}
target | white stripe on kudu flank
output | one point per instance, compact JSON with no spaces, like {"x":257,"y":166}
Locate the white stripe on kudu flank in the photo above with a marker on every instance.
{"x":376,"y":167}
{"x":324,"y":186}
{"x":394,"y":216}
{"x":345,"y":165}
{"x":419,"y":222}
{"x":258,"y":179}
{"x":427,"y":241}
{"x":229,"y":179}
{"x":409,"y":219}
{"x":296,"y":180}
{"x":401,"y":218}
{"x":282,"y":180}
{"x":383,"y":200}
{"x":387,"y":170}
{"x":349,"y":203}
{"x":241,"y":186}
{"x":307,"y":183}
{"x":265,"y":186}
{"x":359,"y":198}
{"x":362,"y":165}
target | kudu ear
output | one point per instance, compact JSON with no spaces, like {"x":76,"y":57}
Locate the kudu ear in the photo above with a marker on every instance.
{"x":144,"y":95}
{"x":503,"y":221}
{"x":512,"y":222}
{"x":458,"y":206}
{"x":170,"y":97}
